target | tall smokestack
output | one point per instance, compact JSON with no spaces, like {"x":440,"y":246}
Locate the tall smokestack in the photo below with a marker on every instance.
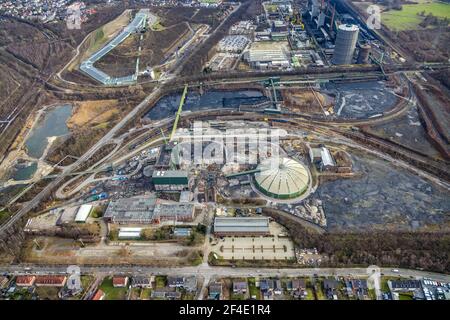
{"x":332,"y":17}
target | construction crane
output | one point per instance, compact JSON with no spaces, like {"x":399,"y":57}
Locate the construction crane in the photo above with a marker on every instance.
{"x":177,"y":116}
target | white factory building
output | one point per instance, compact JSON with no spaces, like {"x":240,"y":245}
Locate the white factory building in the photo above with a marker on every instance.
{"x":83,"y":213}
{"x":265,"y":57}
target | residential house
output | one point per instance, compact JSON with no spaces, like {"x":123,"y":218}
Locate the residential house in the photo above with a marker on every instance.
{"x":187,"y":283}
{"x":3,"y":282}
{"x":298,"y":288}
{"x":240,"y":287}
{"x":158,"y":294}
{"x":357,"y":287}
{"x":330,"y":286}
{"x":141,"y":282}
{"x":173,"y":295}
{"x":99,"y":295}
{"x":267,"y":287}
{"x":215,"y":291}
{"x":175,"y":282}
{"x":25,"y":281}
{"x":120,"y":282}
{"x":50,"y":281}
{"x":277,"y":288}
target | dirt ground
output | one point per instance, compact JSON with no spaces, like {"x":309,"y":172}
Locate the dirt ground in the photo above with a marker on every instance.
{"x":93,"y":112}
{"x":59,"y":250}
{"x":306,"y":101}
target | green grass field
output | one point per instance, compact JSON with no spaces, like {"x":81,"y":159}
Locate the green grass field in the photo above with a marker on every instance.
{"x":254,"y":291}
{"x":112,"y":293}
{"x":4,"y":215}
{"x":408,"y":18}
{"x":160,"y":282}
{"x":146,"y":294}
{"x":405,"y":296}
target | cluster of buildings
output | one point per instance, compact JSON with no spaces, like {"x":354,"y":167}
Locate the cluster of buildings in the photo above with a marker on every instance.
{"x":147,"y":210}
{"x":425,"y":289}
{"x":171,"y":290}
{"x":53,"y":220}
{"x":44,"y":10}
{"x":233,"y":44}
{"x":321,"y":157}
{"x":289,"y":36}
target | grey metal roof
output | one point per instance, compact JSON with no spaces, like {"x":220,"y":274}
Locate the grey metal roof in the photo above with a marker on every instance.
{"x":174,"y":209}
{"x":131,"y":209}
{"x":244,"y":224}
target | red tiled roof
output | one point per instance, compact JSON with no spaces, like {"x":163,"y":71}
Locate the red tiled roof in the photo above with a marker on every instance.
{"x":25,"y":279}
{"x":56,"y":280}
{"x":119,"y":281}
{"x":98,"y":295}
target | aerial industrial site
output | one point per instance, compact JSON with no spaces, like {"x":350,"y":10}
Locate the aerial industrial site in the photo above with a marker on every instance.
{"x":224,"y":150}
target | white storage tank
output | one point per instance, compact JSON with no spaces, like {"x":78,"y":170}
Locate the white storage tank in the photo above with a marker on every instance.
{"x":345,"y":45}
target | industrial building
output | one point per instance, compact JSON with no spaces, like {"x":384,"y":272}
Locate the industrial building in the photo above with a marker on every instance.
{"x":146,"y":210}
{"x":282,"y":178}
{"x":267,"y":55}
{"x":177,"y":212}
{"x":241,"y":226}
{"x":346,"y":39}
{"x":364,"y":53}
{"x":83,"y":213}
{"x":170,"y":180}
{"x":322,"y":158}
{"x":139,"y":22}
{"x":129,"y":233}
{"x":131,"y":210}
{"x":233,"y":44}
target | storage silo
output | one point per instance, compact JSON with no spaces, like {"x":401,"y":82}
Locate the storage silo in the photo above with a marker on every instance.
{"x":363,"y":55}
{"x":347,"y":36}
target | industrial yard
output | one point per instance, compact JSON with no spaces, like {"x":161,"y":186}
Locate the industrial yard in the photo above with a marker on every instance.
{"x":213,"y":150}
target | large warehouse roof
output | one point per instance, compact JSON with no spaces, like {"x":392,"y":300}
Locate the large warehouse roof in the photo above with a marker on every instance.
{"x":282,"y":178}
{"x":232,"y":225}
{"x":83,"y":213}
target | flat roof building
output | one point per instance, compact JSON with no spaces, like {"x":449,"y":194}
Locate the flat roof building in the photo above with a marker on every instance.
{"x":129,"y":233}
{"x":170,"y":180}
{"x":174,"y":212}
{"x":131,"y":210}
{"x":266,"y":55}
{"x":145,"y":210}
{"x":237,"y":226}
{"x":83,"y":213}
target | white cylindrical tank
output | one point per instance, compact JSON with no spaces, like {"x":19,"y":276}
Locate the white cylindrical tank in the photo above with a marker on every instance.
{"x":345,"y":45}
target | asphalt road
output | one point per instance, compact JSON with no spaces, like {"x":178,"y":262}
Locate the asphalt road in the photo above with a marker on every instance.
{"x":207,"y":271}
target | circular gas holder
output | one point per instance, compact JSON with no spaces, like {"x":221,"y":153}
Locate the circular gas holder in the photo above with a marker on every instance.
{"x":283,"y":179}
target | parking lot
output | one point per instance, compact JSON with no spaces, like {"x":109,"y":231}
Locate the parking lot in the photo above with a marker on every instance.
{"x":257,"y":248}
{"x":277,"y":246}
